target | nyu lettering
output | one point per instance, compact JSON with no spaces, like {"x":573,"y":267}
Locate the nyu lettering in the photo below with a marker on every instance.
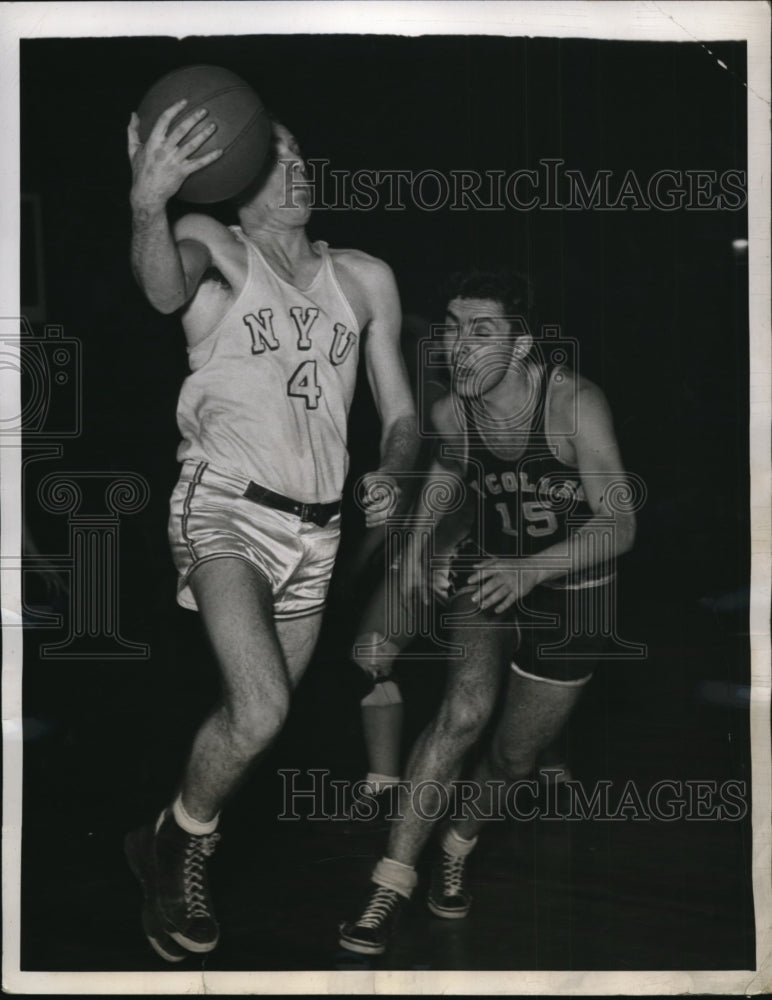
{"x":263,"y":335}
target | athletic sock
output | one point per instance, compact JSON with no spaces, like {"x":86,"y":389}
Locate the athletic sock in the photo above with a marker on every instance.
{"x":456,"y":845}
{"x":394,"y":875}
{"x":188,"y":823}
{"x":380,"y":782}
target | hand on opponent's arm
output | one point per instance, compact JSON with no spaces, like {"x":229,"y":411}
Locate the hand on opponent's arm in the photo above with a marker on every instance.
{"x":168,"y":272}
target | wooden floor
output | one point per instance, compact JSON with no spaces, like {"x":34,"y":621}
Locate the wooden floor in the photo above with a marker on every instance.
{"x":559,"y":896}
{"x":105,"y":742}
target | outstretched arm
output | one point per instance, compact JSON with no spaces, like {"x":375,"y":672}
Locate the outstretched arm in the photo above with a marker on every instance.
{"x":168,"y":272}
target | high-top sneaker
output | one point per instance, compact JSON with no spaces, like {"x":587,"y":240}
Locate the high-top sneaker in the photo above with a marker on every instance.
{"x":371,"y":932}
{"x":448,"y":894}
{"x":171,"y":867}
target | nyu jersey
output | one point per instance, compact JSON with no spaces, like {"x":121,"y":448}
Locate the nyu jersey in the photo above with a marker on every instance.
{"x":531,"y":502}
{"x":270,"y":387}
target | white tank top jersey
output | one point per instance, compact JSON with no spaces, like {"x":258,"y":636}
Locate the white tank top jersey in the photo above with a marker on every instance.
{"x":270,"y":387}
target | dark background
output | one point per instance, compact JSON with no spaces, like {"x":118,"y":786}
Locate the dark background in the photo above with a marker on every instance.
{"x":658,"y":303}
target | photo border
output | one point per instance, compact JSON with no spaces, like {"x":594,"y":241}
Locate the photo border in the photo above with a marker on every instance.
{"x":638,"y":21}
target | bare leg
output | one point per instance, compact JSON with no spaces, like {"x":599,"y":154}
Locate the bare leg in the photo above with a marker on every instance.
{"x":472,"y":684}
{"x":259,"y":665}
{"x":297,"y":638}
{"x":534,"y":714}
{"x":257,"y":679}
{"x":471,"y":689}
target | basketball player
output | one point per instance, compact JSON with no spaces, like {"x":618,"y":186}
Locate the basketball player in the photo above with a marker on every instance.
{"x":535,"y":446}
{"x":273,"y":325}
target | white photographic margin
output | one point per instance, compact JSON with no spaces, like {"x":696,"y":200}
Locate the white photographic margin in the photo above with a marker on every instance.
{"x":639,"y":21}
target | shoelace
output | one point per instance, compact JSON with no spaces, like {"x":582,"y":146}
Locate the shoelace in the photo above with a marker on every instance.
{"x":453,"y":875}
{"x":198,"y":848}
{"x":382,"y":903}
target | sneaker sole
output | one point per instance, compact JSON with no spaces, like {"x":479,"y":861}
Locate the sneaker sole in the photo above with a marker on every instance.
{"x":446,"y":914}
{"x":163,"y":939}
{"x":361,"y":948}
{"x":198,"y":947}
{"x":158,"y":939}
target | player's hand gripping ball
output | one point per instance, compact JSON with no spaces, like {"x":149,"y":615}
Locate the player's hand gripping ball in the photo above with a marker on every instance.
{"x":242,"y":129}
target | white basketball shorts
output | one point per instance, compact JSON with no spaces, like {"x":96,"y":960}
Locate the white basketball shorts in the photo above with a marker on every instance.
{"x":211,"y":519}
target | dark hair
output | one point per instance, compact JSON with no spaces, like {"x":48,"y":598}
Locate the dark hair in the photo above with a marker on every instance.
{"x":512,"y":290}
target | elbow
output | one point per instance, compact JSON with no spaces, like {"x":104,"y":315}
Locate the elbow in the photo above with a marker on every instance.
{"x":165,"y":302}
{"x":167,"y":306}
{"x":401,"y":429}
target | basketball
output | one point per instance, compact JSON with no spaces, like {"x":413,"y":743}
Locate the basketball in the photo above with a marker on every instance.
{"x":243,"y":128}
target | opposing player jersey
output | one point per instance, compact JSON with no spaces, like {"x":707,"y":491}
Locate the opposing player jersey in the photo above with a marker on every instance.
{"x":531,"y":502}
{"x":270,"y":387}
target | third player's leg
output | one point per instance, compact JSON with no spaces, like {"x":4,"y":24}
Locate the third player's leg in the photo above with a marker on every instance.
{"x":374,"y":651}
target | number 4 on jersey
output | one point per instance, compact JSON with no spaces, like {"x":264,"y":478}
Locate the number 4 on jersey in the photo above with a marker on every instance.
{"x":304,"y":385}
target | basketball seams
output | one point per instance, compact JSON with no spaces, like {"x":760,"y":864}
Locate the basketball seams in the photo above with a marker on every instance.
{"x":239,"y":135}
{"x":191,"y":108}
{"x":187,"y":110}
{"x":249,"y":125}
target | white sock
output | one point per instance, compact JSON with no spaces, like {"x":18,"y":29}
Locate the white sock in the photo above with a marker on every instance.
{"x":188,"y":823}
{"x":394,"y":875}
{"x":380,"y":782}
{"x":455,"y":845}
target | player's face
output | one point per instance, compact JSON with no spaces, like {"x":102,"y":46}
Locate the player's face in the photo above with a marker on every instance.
{"x":480,"y":341}
{"x":286,"y":192}
{"x":291,"y":168}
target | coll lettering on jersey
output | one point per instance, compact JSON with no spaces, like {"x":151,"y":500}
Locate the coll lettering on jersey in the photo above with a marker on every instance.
{"x":545,"y":488}
{"x":301,"y":320}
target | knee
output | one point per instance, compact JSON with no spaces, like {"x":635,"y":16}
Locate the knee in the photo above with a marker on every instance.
{"x":511,"y":761}
{"x":463,"y":720}
{"x":255,"y":722}
{"x":374,"y":653}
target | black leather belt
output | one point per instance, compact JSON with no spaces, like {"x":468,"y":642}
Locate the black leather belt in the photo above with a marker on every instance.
{"x":319,"y":513}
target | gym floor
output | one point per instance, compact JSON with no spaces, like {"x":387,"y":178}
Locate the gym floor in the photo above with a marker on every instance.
{"x":105,"y":744}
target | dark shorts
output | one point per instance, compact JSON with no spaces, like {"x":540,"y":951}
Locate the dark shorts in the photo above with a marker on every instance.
{"x":559,"y":632}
